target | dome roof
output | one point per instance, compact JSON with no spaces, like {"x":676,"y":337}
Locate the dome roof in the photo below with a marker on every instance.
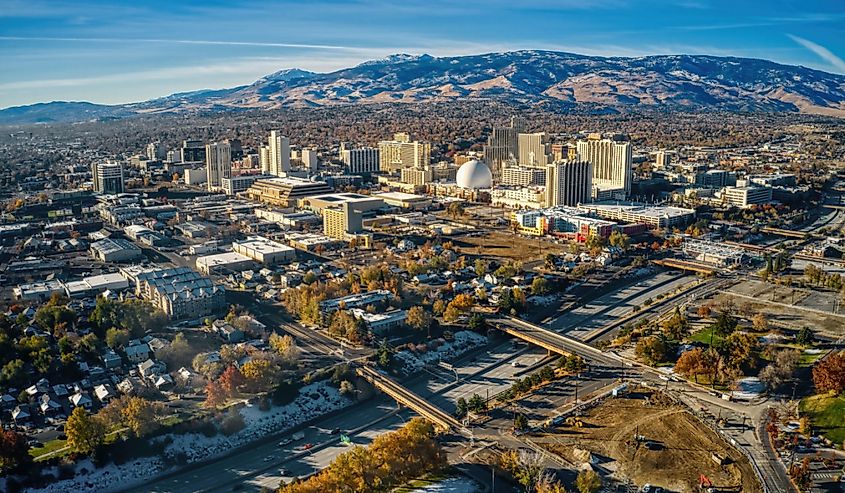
{"x":474,"y":174}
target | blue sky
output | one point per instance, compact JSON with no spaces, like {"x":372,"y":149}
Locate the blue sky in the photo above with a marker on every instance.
{"x":116,"y":52}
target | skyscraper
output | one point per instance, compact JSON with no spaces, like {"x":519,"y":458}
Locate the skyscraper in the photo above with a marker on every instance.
{"x":156,"y":150}
{"x":534,"y":149}
{"x":279,"y":154}
{"x":568,"y":183}
{"x":364,"y":160}
{"x":503,"y":147}
{"x":612,"y":162}
{"x":401,"y":152}
{"x":107,"y":178}
{"x":310,"y":160}
{"x":192,"y":151}
{"x":218,"y":164}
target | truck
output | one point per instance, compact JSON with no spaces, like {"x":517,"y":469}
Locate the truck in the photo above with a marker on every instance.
{"x":299,"y":435}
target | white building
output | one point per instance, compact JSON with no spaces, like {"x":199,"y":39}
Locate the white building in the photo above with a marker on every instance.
{"x":746,"y":196}
{"x":196,"y":176}
{"x":401,"y":152}
{"x":237,"y":184}
{"x":612,"y":162}
{"x":279,"y":154}
{"x":364,"y":160}
{"x":218,"y":164}
{"x":568,"y":183}
{"x":534,"y":150}
{"x":310,"y":160}
{"x":108,"y":178}
{"x":523,"y":176}
{"x":264,"y":250}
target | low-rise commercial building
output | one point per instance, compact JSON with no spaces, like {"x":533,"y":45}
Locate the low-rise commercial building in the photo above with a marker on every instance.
{"x":227,"y":261}
{"x":746,"y":196}
{"x":652,"y":216}
{"x":285,"y":192}
{"x":114,"y":250}
{"x":264,"y":250}
{"x":405,"y":200}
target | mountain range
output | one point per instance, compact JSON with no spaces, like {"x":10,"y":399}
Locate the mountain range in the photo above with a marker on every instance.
{"x":556,"y":79}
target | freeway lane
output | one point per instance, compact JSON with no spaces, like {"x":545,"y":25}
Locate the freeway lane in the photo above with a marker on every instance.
{"x":580,"y":322}
{"x":374,"y":416}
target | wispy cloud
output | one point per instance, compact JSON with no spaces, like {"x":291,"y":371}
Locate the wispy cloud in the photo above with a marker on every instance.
{"x":824,"y":53}
{"x":180,"y":41}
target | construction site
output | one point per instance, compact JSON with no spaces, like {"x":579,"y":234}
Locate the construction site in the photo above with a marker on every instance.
{"x":644,"y":438}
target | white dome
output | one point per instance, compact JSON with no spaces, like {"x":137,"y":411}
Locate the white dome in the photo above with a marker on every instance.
{"x":474,"y":174}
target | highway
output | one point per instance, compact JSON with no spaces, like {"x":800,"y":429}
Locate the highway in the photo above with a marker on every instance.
{"x":583,"y":320}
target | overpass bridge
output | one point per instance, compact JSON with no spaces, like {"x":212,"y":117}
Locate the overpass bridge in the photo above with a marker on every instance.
{"x":442,"y":420}
{"x":785,"y":232}
{"x":554,"y":342}
{"x":685,"y":265}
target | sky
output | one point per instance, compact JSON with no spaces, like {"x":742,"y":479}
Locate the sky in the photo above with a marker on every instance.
{"x":127,"y":51}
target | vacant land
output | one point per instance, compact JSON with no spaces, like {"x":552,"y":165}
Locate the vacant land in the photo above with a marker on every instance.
{"x":674,"y":448}
{"x":506,"y":246}
{"x":826,"y":414}
{"x":776,"y":303}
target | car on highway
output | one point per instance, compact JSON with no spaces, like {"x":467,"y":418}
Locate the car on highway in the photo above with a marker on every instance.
{"x":335,"y":431}
{"x":269,"y":458}
{"x":284,"y":472}
{"x":307,"y":446}
{"x":286,"y":441}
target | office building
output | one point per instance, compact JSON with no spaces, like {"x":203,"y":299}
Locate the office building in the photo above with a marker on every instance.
{"x":195,"y":176}
{"x":279,"y":154}
{"x":503,"y":147}
{"x":156,"y":151}
{"x":651,"y":215}
{"x":564,"y":152}
{"x":107,"y":178}
{"x":345,"y":223}
{"x":534,"y":149}
{"x":192,"y":151}
{"x":264,"y":250}
{"x":180,"y":292}
{"x":568,"y":183}
{"x":661,"y":160}
{"x":523,"y":176}
{"x":284,"y":192}
{"x":746,"y":196}
{"x":264,"y":159}
{"x":218,"y":164}
{"x":401,"y":152}
{"x":612,"y":162}
{"x":361,"y":161}
{"x":237,"y":184}
{"x":416,"y":176}
{"x":309,"y":160}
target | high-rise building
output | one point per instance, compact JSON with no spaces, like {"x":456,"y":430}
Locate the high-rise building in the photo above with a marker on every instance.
{"x":612,"y":162}
{"x":156,"y":150}
{"x":417,"y":176}
{"x":310,"y":160}
{"x":534,"y":149}
{"x":218,"y":164}
{"x":279,"y":154}
{"x":361,"y":161}
{"x":564,"y":152}
{"x":503,"y":146}
{"x":568,"y":183}
{"x":107,"y":177}
{"x":264,"y":158}
{"x":661,"y":160}
{"x":401,"y":152}
{"x":193,"y":151}
{"x":523,"y":176}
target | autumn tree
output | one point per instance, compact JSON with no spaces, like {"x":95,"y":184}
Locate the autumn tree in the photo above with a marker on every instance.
{"x":84,"y":432}
{"x":230,"y":380}
{"x":259,"y":374}
{"x":177,"y":354}
{"x":419,"y":319}
{"x":285,"y":346}
{"x":829,"y":373}
{"x":540,"y":286}
{"x":588,"y":481}
{"x":215,"y":396}
{"x":760,"y":322}
{"x":14,"y":451}
{"x":652,"y":350}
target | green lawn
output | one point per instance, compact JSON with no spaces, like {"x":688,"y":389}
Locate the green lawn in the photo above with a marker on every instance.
{"x":703,"y":336}
{"x":827,"y":414}
{"x":48,"y":447}
{"x":422,"y":483}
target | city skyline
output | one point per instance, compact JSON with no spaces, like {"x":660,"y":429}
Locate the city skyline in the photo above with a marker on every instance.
{"x":106,"y":53}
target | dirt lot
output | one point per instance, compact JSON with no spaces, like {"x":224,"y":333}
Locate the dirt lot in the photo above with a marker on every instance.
{"x":507,"y":246}
{"x":681,"y":449}
{"x":776,"y":302}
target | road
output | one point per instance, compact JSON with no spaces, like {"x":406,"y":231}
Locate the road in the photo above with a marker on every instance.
{"x":580,"y":322}
{"x":250,"y":466}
